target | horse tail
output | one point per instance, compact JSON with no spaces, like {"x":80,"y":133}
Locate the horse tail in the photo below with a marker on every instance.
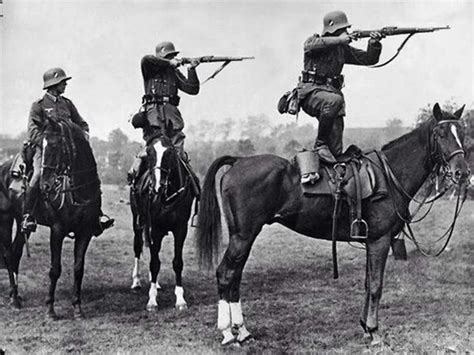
{"x":209,"y":231}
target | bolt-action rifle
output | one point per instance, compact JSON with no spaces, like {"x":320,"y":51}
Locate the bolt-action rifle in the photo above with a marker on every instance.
{"x":395,"y":31}
{"x":213,"y":59}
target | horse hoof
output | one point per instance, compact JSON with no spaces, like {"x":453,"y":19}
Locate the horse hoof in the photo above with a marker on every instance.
{"x":181,"y":307}
{"x":232,"y":342}
{"x":376,"y":339}
{"x":152,"y":308}
{"x":136,"y":289}
{"x":15,"y":302}
{"x":51,"y":315}
{"x":78,"y":315}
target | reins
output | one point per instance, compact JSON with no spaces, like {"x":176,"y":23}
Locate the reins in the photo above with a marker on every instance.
{"x":395,"y":185}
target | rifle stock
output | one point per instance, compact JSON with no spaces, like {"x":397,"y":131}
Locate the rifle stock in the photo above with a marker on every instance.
{"x":395,"y":31}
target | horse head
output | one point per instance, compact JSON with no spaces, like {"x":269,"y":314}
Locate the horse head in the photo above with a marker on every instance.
{"x":447,"y":144}
{"x":54,"y":160}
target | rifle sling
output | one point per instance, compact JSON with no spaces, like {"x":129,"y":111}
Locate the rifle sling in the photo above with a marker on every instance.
{"x":396,"y":54}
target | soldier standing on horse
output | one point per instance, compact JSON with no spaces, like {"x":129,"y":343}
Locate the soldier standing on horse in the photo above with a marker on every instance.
{"x":54,"y":107}
{"x":319,"y":91}
{"x":160,"y":117}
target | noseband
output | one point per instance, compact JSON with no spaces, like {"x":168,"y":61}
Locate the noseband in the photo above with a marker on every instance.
{"x":437,"y":157}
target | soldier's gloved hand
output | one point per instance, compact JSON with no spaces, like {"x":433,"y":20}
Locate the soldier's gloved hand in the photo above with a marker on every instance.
{"x":376,"y":36}
{"x":194,"y":63}
{"x":174,"y":62}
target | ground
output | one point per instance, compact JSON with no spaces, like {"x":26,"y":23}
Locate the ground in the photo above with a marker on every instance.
{"x":289,"y":299}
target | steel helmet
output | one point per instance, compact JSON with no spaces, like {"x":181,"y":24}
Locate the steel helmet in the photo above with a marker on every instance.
{"x":165,"y":49}
{"x":334,"y":21}
{"x":53,"y":77}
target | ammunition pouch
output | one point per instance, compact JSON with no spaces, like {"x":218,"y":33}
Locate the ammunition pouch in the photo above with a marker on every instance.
{"x":160,"y":100}
{"x":309,"y":76}
{"x":289,"y":103}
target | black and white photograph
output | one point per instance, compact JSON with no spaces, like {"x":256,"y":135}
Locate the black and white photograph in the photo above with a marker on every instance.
{"x":236,"y":176}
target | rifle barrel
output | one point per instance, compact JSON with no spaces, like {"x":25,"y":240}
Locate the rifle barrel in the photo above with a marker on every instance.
{"x":394,"y":31}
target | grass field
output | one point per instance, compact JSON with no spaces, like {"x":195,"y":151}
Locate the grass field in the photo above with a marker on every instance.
{"x":290,"y":301}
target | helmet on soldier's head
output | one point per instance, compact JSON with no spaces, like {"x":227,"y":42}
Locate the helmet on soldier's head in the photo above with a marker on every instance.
{"x":53,"y":77}
{"x":334,"y":21}
{"x":166,"y":50}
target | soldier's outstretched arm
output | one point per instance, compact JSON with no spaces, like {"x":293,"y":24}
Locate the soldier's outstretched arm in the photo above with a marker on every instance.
{"x":316,"y":43}
{"x":189,"y":85}
{"x":151,"y":64}
{"x":357,"y":56}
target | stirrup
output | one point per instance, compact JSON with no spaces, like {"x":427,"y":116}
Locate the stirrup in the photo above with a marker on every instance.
{"x":28,"y":224}
{"x":355,"y":233}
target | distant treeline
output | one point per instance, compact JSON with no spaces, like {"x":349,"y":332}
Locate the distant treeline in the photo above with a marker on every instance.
{"x":256,"y":135}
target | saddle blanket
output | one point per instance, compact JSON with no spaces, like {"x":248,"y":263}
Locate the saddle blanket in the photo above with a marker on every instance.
{"x":372,"y":180}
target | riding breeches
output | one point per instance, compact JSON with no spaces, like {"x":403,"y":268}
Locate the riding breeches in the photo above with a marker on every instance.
{"x":35,"y":178}
{"x":329,"y":109}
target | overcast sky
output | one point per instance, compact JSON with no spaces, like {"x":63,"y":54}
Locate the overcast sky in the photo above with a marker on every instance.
{"x":100,"y":44}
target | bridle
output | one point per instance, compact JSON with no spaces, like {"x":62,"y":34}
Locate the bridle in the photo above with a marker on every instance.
{"x":440,"y":163}
{"x":63,"y":172}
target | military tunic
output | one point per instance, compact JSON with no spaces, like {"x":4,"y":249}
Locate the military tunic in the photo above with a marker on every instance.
{"x":53,"y":108}
{"x":324,"y":100}
{"x":162,"y":83}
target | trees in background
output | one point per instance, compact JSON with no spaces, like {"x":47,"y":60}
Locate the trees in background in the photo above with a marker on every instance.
{"x":256,"y":134}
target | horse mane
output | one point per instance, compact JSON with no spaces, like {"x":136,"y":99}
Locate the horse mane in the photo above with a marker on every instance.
{"x":407,"y":136}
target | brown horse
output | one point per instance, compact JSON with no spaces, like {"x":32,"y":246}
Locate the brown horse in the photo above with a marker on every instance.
{"x":69,"y":202}
{"x":265,"y":189}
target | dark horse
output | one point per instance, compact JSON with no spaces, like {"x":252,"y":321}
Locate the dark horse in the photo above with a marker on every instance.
{"x":70,"y":202}
{"x":265,"y":189}
{"x":155,"y":213}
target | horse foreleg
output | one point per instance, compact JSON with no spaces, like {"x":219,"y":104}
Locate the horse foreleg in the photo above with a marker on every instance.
{"x":179,"y":237}
{"x":377,"y":252}
{"x":138,"y":249}
{"x":80,"y":247}
{"x":155,"y":265}
{"x":229,"y":276}
{"x":56,"y":245}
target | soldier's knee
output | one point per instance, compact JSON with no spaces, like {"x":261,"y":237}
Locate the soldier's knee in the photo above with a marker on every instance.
{"x":333,"y":104}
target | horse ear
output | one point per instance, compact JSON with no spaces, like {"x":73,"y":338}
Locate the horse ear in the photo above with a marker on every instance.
{"x":458,"y":113}
{"x":438,"y":115}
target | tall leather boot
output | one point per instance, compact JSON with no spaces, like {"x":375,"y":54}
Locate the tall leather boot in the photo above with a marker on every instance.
{"x":28,"y":224}
{"x":324,"y":132}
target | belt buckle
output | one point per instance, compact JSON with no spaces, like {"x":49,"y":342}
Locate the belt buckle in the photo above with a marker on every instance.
{"x":166,"y":99}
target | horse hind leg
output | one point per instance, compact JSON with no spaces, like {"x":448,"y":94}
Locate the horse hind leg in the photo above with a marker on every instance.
{"x":179,"y":238}
{"x":377,"y":252}
{"x":229,"y":275}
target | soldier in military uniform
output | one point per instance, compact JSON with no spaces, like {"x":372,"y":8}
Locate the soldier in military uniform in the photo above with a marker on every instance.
{"x":160,"y":117}
{"x":319,"y":91}
{"x":55,"y":107}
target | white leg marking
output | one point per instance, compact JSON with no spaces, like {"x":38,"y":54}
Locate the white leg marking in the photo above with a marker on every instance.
{"x":236,"y":313}
{"x":455,"y":134}
{"x":238,"y":321}
{"x":15,"y":278}
{"x":136,"y":282}
{"x":159,"y":151}
{"x":224,"y":323}
{"x":180,"y":302}
{"x":152,"y":294}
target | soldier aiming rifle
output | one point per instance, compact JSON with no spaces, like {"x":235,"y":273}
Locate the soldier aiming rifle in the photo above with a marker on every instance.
{"x":319,"y":93}
{"x":159,"y":116}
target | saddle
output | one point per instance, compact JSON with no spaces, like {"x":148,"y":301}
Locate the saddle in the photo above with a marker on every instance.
{"x":353,"y":179}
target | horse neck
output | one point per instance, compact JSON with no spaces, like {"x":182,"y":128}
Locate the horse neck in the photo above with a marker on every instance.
{"x":410,"y":160}
{"x":84,"y":170}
